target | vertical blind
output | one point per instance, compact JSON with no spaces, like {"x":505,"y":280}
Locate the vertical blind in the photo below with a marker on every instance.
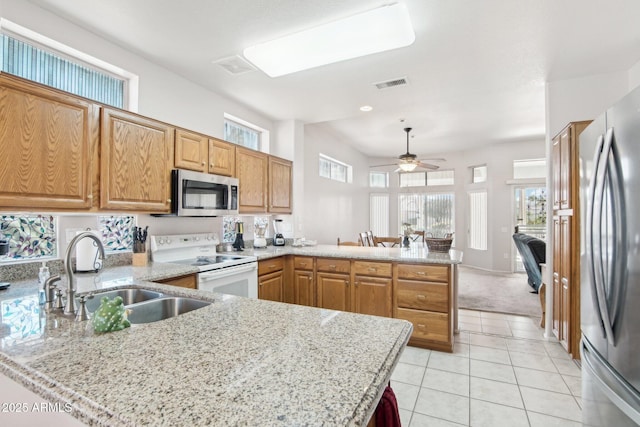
{"x":478,"y":220}
{"x":431,"y":212}
{"x":379,"y":214}
{"x":32,"y":63}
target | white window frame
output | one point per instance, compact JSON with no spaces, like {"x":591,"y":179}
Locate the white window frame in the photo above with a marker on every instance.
{"x":337,"y":163}
{"x":131,"y":81}
{"x":453,"y":177}
{"x":480,"y":177}
{"x":386,"y":179}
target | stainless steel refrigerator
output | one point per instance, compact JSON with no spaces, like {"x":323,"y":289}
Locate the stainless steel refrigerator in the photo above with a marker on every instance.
{"x":610,"y":265}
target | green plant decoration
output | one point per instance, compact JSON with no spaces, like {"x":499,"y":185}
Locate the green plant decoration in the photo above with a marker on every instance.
{"x":110,"y":316}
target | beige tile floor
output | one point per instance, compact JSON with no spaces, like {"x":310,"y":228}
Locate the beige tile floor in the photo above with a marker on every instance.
{"x":502,"y":373}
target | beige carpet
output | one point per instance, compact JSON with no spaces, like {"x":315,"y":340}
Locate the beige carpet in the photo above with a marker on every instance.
{"x":499,"y":292}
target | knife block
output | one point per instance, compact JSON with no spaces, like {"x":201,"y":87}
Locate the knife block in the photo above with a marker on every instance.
{"x":140,"y":259}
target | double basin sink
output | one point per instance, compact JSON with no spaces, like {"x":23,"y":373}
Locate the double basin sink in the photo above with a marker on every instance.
{"x":146,"y":306}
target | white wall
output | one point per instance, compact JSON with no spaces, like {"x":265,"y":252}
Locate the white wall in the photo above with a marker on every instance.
{"x":333,"y":209}
{"x":634,"y":76}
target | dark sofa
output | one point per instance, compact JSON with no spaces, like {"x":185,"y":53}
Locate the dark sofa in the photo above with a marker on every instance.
{"x":532,"y":250}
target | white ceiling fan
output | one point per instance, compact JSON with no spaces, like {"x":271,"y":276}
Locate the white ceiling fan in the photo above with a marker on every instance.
{"x":408,"y":162}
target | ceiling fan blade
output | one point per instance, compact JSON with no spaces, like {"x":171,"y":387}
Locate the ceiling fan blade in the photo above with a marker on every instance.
{"x":434,"y":159}
{"x":428,"y":166}
{"x":379,"y":166}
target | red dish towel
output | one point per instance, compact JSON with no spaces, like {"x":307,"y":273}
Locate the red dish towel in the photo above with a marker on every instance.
{"x":387,"y":414}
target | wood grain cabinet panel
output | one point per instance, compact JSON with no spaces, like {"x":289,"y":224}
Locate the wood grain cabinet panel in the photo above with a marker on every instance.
{"x":136,"y":162}
{"x":270,"y":265}
{"x":333,"y":265}
{"x":427,"y":325}
{"x":423,"y":295}
{"x":280,"y":185}
{"x":373,"y":295}
{"x":189,"y":281}
{"x":222,"y":157}
{"x":304,"y":288}
{"x":192,"y":151}
{"x":334,"y":291}
{"x":251,"y":171}
{"x":270,"y":286}
{"x":303,"y":263}
{"x":47,"y":140}
{"x":433,"y":273}
{"x":369,"y":268}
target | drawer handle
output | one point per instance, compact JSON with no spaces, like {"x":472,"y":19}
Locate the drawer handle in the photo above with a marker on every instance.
{"x":420,"y":273}
{"x":421,"y":326}
{"x":421,"y":297}
{"x":304,"y":264}
{"x":373,"y":269}
{"x":332,"y":266}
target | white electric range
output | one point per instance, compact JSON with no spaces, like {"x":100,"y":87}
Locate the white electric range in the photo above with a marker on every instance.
{"x":227,"y":273}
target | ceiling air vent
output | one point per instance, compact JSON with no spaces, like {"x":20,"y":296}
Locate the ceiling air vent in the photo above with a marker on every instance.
{"x":235,"y":65}
{"x":392,"y":83}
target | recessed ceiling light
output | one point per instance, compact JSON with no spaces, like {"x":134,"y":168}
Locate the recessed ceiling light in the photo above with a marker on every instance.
{"x":385,"y":28}
{"x":366,"y":108}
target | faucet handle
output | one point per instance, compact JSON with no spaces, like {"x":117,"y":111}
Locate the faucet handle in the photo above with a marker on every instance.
{"x":83,"y":314}
{"x":59,"y":304}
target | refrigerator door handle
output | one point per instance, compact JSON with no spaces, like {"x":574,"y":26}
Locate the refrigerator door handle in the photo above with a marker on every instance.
{"x":593,"y":222}
{"x":599,"y":201}
{"x":617,"y":390}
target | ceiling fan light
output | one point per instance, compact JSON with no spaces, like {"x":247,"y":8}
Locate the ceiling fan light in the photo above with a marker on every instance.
{"x":407,"y":167}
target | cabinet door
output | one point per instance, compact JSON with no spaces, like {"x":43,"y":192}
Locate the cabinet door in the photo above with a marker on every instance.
{"x":373,"y":295}
{"x":556,"y":166}
{"x":565,"y":169}
{"x":280,"y":185}
{"x":189,"y":281}
{"x":192,"y":151}
{"x":270,"y":286}
{"x":557,"y":295}
{"x":251,"y":171}
{"x":136,"y":163}
{"x":565,"y":281}
{"x":47,"y":140}
{"x":222,"y":157}
{"x":333,"y":291}
{"x":304,"y":289}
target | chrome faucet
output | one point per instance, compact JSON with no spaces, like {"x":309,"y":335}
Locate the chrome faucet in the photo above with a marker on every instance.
{"x":70,"y":307}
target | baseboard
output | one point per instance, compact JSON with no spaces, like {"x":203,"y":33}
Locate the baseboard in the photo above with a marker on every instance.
{"x":491,"y":271}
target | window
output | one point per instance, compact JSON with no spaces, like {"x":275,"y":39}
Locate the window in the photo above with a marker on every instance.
{"x":379,"y":214}
{"x":478,"y":220}
{"x":334,"y":169}
{"x":436,"y":178}
{"x":413,"y":179}
{"x":431,"y":212}
{"x":242,"y":135}
{"x":379,"y":179}
{"x":526,"y":169}
{"x":30,"y":236}
{"x":479,"y":174}
{"x":34,"y":57}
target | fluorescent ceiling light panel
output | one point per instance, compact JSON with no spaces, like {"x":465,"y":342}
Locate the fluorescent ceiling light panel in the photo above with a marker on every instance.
{"x":378,"y":30}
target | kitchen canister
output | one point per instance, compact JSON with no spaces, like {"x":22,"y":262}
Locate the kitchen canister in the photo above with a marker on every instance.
{"x":87,"y":255}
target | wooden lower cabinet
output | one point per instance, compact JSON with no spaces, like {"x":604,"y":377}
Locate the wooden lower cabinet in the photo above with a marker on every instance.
{"x":373,"y":295}
{"x":304,"y":290}
{"x":427,"y":325}
{"x":270,"y":286}
{"x":334,"y":291}
{"x":189,"y":281}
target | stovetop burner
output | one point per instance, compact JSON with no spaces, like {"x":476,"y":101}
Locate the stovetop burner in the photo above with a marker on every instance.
{"x":205,"y":260}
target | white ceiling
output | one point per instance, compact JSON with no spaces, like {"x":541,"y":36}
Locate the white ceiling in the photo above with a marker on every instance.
{"x":476,"y":71}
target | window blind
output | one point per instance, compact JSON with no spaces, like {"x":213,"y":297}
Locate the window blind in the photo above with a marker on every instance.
{"x":478,"y":220}
{"x":379,"y":214}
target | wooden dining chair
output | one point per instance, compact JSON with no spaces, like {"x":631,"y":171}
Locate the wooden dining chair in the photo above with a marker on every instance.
{"x":418,"y":235}
{"x":364,"y":238}
{"x":387,"y":241}
{"x":347,"y":243}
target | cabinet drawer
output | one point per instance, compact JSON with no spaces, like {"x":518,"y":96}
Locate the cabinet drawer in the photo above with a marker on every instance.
{"x":302,"y":263}
{"x":423,"y":295}
{"x":426,"y":325}
{"x":190,"y":281}
{"x":270,"y":265}
{"x":333,"y":265}
{"x":435,"y":273}
{"x":368,"y":268}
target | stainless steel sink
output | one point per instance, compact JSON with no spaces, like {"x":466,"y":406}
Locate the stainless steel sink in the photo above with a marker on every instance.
{"x":163,"y":308}
{"x":129,"y":296}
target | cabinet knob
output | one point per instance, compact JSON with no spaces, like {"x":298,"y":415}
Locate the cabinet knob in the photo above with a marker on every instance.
{"x":421,"y":297}
{"x":168,"y":200}
{"x":373,"y":269}
{"x":211,"y":165}
{"x":90,"y":196}
{"x":204,"y":163}
{"x":420,"y":273}
{"x":332,"y":266}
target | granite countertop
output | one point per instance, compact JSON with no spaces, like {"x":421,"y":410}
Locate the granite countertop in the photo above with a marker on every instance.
{"x":238,"y":361}
{"x":413,"y":254}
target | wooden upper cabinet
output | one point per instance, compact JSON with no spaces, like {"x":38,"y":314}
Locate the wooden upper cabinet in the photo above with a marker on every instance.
{"x":251,"y":171}
{"x":556,"y":166}
{"x":280,"y":185}
{"x":222,"y":157}
{"x":564,"y":158}
{"x":47,"y":140}
{"x":192,"y":151}
{"x":135,"y":162}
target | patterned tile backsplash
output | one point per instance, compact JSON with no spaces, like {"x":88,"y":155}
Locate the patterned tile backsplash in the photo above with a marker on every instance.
{"x":20,"y":320}
{"x":117,"y":232}
{"x":30,"y":236}
{"x":229,"y":225}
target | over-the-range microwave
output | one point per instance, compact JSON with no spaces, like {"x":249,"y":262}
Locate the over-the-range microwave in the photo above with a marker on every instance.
{"x":202,"y":194}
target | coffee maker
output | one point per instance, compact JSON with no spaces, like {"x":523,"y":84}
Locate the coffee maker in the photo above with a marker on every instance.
{"x":238,"y":245}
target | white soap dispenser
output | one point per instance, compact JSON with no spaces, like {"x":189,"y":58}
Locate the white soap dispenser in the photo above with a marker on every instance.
{"x":43,"y":275}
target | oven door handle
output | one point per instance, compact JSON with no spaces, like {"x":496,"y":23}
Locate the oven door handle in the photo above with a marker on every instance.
{"x":225,"y":272}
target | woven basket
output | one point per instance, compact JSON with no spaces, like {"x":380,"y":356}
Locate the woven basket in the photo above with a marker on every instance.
{"x":438,"y":245}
